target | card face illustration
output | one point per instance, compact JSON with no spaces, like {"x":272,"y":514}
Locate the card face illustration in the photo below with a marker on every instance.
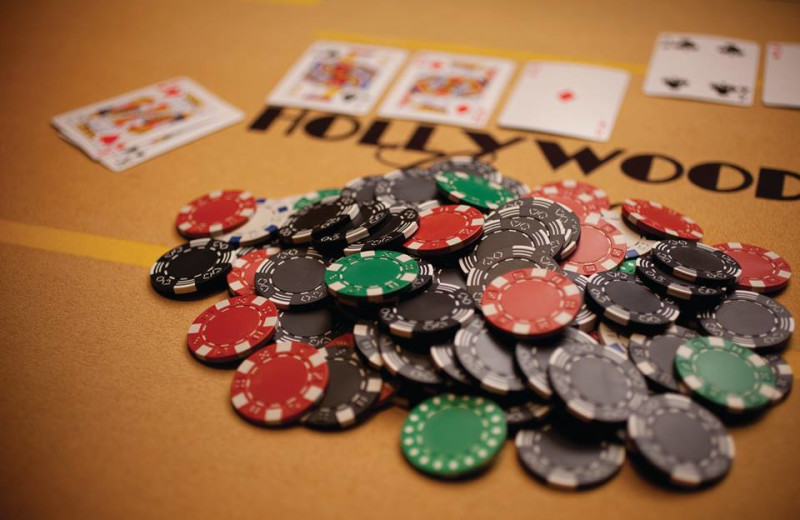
{"x":782,"y":75}
{"x":115,"y":124}
{"x":566,"y":99}
{"x":338,"y":77}
{"x":454,"y":89}
{"x":703,"y":68}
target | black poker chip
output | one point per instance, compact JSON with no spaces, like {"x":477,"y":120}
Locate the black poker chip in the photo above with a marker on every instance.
{"x":469,"y":165}
{"x":495,"y":238}
{"x":586,"y":320}
{"x":488,"y":358}
{"x":353,"y":389}
{"x":665,"y":284}
{"x":681,"y":440}
{"x":366,"y":335}
{"x":784,"y":376}
{"x":371,"y":216}
{"x":654,"y":356}
{"x":450,"y":276}
{"x":749,"y":319}
{"x":548,"y":211}
{"x":568,"y":461}
{"x":595,"y":383}
{"x":415,"y":366}
{"x":293,"y":279}
{"x":318,"y":219}
{"x":619,"y":297}
{"x":362,"y":189}
{"x":444,"y":357}
{"x":315,"y":327}
{"x":438,"y":310}
{"x":402,"y":223}
{"x":533,"y":359}
{"x":696,"y":262}
{"x":504,"y":261}
{"x":426,"y":276}
{"x":198,"y":266}
{"x":516,"y":187}
{"x":522,"y":410}
{"x":414,"y":187}
{"x":510,"y":217}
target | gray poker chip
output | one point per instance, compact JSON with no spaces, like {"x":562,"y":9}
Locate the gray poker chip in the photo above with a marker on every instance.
{"x":784,"y":376}
{"x":548,"y":211}
{"x":444,"y":357}
{"x":565,"y":461}
{"x":408,"y":364}
{"x":750,"y":320}
{"x":586,"y":320}
{"x":440,"y":309}
{"x":620,"y":298}
{"x":496,"y":238}
{"x":488,"y":358}
{"x":469,"y":165}
{"x":414,"y":187}
{"x":654,"y":356}
{"x":366,"y":335}
{"x":681,"y":440}
{"x":696,"y":262}
{"x":353,"y":389}
{"x":315,"y":327}
{"x":533,"y":358}
{"x":596,"y":384}
{"x":293,"y":279}
{"x":318,"y":219}
{"x":673,"y":287}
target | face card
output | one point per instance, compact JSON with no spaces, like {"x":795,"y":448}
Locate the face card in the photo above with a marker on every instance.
{"x":138,"y":153}
{"x":703,"y":68}
{"x":453,"y":89}
{"x":115,"y":124}
{"x":561,"y":98}
{"x":782,"y":75}
{"x":338,"y":77}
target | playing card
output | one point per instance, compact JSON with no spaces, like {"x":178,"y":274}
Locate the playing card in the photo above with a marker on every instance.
{"x":338,"y":77}
{"x":782,"y":75}
{"x":452,"y":89}
{"x":138,"y":153}
{"x":704,"y":68}
{"x":561,"y":98}
{"x":144,"y":115}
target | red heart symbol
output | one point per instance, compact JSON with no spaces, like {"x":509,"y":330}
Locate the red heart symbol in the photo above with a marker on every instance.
{"x":108,"y":139}
{"x":462,"y":108}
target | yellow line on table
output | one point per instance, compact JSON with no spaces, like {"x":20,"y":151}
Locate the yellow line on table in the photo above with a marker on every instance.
{"x":633,"y":68}
{"x":80,"y":244}
{"x":287,"y":2}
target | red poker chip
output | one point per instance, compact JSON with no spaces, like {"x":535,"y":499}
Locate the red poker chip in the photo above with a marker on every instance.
{"x":762,"y":270}
{"x":656,"y":219}
{"x":279,"y":383}
{"x":592,"y":197}
{"x":241,"y":278}
{"x":214,"y":213}
{"x":232,"y":328}
{"x":602,"y":247}
{"x":445,"y":229}
{"x":531,"y":302}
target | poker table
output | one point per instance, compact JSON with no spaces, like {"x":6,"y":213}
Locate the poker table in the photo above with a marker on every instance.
{"x":104,"y":412}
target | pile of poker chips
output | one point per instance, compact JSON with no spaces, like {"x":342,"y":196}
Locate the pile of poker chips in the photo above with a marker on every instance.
{"x":587,"y":331}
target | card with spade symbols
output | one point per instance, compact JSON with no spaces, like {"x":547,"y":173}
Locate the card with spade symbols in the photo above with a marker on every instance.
{"x":703,"y":68}
{"x":566,"y":99}
{"x":338,"y":77}
{"x":455,"y":89}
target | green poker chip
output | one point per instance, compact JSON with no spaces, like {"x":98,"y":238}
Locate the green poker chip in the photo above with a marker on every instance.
{"x":473,"y":190}
{"x":315,"y":196}
{"x":453,"y":435}
{"x":628,"y":266}
{"x":374,"y":276}
{"x":724,"y":374}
